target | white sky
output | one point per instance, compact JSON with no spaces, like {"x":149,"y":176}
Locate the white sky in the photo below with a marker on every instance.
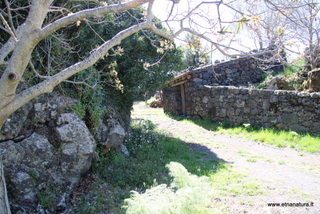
{"x":162,"y":8}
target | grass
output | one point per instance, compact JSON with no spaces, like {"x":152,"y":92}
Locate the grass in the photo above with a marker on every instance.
{"x":163,"y":172}
{"x":279,"y":138}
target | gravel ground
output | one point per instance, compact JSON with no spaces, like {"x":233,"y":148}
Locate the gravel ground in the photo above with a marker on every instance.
{"x":286,"y":175}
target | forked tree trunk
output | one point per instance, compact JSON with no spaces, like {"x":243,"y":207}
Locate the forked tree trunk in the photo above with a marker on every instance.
{"x":4,"y":202}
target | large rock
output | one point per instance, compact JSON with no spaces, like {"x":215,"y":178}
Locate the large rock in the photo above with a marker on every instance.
{"x":13,"y":125}
{"x":116,"y":136}
{"x":45,"y":155}
{"x":112,"y":137}
{"x":28,"y":164}
{"x":279,"y":83}
{"x":313,"y":82}
{"x":77,"y":145}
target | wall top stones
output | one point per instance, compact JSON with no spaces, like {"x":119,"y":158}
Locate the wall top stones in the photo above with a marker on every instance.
{"x":237,"y":72}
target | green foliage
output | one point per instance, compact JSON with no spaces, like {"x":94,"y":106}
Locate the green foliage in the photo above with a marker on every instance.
{"x":150,"y":151}
{"x":46,"y":198}
{"x":80,"y":109}
{"x":146,"y":162}
{"x":189,"y":179}
{"x":187,"y":194}
{"x":120,"y":76}
{"x":91,"y":105}
{"x":125,"y":74}
{"x":294,"y":68}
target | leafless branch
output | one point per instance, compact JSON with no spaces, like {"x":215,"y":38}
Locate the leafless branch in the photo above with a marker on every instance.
{"x":9,"y":29}
{"x":9,"y":15}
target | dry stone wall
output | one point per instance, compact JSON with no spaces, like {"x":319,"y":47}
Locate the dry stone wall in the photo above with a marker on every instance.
{"x":237,"y":72}
{"x":237,"y":105}
{"x":219,"y":92}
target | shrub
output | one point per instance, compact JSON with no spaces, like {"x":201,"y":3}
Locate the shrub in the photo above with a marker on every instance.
{"x":187,"y":194}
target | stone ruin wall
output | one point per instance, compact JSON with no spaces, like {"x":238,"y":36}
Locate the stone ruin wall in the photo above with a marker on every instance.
{"x":206,"y":98}
{"x":238,"y":72}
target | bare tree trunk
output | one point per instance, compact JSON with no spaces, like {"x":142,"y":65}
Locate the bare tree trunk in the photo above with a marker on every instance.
{"x":4,"y":203}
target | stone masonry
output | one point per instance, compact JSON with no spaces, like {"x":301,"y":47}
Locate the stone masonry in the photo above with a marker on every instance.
{"x":205,"y":97}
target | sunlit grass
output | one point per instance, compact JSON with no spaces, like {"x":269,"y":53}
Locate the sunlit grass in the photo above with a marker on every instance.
{"x":278,"y":138}
{"x":187,"y":185}
{"x":189,"y":194}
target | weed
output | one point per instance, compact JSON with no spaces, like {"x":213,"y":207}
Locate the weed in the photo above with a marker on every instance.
{"x":150,"y":152}
{"x":46,"y":198}
{"x":243,"y":153}
{"x":33,"y":174}
{"x":281,"y":162}
{"x":252,"y":160}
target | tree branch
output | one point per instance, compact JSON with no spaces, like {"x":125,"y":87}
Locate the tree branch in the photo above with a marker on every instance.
{"x":100,"y":11}
{"x":48,"y":84}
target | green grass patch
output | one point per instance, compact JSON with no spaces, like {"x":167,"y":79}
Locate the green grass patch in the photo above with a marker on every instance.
{"x":150,"y":152}
{"x":281,"y":162}
{"x":231,"y":183}
{"x":161,"y":174}
{"x":278,"y":138}
{"x":243,"y":153}
{"x":252,"y":160}
{"x":189,"y":194}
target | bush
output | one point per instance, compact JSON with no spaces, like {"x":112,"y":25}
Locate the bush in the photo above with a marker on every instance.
{"x":187,"y":194}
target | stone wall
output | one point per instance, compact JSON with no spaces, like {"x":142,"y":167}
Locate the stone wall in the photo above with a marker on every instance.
{"x":237,"y":72}
{"x":267,"y":108}
{"x":217,"y":92}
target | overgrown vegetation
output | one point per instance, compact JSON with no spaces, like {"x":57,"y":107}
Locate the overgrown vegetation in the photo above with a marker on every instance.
{"x":150,"y":151}
{"x":293,"y":74}
{"x":279,"y":138}
{"x":161,"y":171}
{"x":188,"y":193}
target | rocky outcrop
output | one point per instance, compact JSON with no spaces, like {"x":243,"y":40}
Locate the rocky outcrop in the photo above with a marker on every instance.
{"x":46,"y":148}
{"x":158,"y":103}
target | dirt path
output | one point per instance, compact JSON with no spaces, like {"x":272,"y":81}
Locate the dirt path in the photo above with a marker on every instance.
{"x":287,"y":175}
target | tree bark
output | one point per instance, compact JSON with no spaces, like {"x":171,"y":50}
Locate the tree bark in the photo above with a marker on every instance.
{"x":4,"y":202}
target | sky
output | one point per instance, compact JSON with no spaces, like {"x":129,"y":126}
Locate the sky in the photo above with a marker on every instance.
{"x":163,"y":7}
